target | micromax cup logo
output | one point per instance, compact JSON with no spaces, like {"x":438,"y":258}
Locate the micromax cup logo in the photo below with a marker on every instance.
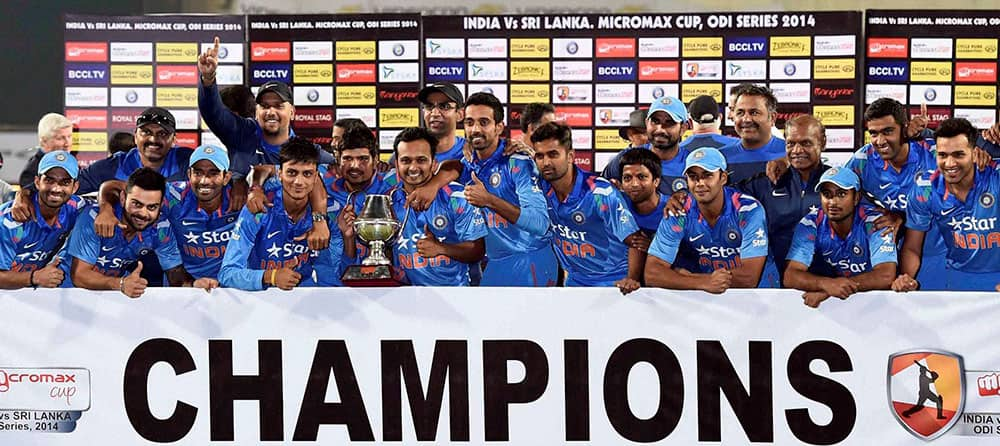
{"x":926,"y":391}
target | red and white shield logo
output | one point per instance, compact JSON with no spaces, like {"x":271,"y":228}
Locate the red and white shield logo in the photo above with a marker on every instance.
{"x":926,"y":391}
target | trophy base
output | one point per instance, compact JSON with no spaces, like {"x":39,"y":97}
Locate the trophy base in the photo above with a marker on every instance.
{"x":370,"y":276}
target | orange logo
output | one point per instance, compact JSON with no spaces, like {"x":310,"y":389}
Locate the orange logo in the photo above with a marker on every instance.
{"x":926,"y":390}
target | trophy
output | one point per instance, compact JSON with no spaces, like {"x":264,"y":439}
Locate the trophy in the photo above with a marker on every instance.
{"x":376,"y":226}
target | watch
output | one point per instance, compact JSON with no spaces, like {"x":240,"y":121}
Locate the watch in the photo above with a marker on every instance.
{"x":319,"y":216}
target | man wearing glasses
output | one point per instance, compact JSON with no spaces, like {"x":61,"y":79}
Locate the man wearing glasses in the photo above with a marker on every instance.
{"x":442,"y":105}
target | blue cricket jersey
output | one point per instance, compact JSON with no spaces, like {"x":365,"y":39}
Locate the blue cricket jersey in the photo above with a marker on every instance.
{"x":739,"y":233}
{"x":337,"y":193}
{"x":449,"y":218}
{"x":862,"y":249}
{"x":671,"y":171}
{"x":743,"y":164}
{"x":513,"y":179}
{"x":122,"y":164}
{"x":29,"y":246}
{"x":589,"y":230}
{"x":242,"y":137}
{"x":201,"y":236}
{"x":970,"y":231}
{"x":454,"y":153}
{"x":707,"y":140}
{"x":115,"y":256}
{"x":648,"y":223}
{"x":266,"y":241}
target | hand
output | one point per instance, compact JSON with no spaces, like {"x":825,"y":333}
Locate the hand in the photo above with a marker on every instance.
{"x":206,"y":283}
{"x":775,"y":169}
{"x":257,"y":201}
{"x":106,"y":222}
{"x":981,"y":159}
{"x":992,"y":134}
{"x":208,"y":62}
{"x":318,"y":237}
{"x":841,"y":287}
{"x":812,"y":299}
{"x":287,"y":278}
{"x":134,"y":285}
{"x":918,"y":123}
{"x":429,"y":246}
{"x":675,"y":204}
{"x":50,"y":276}
{"x":517,"y":146}
{"x":22,"y":209}
{"x":476,"y":193}
{"x":719,"y":281}
{"x":382,"y":166}
{"x":345,"y":222}
{"x":905,"y":283}
{"x":627,"y":285}
{"x":421,"y":198}
{"x":238,"y":195}
{"x":638,"y":240}
{"x":889,"y":223}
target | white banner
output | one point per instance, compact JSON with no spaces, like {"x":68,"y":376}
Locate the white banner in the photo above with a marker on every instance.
{"x":504,"y":366}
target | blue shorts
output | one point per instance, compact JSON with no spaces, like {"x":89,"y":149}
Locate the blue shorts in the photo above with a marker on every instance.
{"x":531,"y":269}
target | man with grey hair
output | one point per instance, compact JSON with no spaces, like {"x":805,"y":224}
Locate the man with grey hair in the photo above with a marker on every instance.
{"x":55,"y":132}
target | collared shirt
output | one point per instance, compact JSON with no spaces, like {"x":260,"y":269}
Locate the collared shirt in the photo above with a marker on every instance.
{"x":820,"y":248}
{"x":785,"y":203}
{"x":266,"y":241}
{"x":116,"y":256}
{"x":671,"y":171}
{"x":30,"y":246}
{"x":513,"y":179}
{"x":648,"y":222}
{"x":589,"y":229}
{"x":122,"y":164}
{"x":451,"y":220}
{"x":243,"y":137}
{"x":969,"y":229}
{"x":739,"y":233}
{"x":201,"y":236}
{"x":743,"y":163}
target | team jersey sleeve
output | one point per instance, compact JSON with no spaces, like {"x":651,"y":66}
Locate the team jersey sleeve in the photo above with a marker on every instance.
{"x":175,"y":192}
{"x":754,"y":231}
{"x":239,"y":135}
{"x":328,"y":264}
{"x":469,"y":222}
{"x":857,"y":162}
{"x":7,"y":247}
{"x":918,"y":212}
{"x":166,"y":246}
{"x":617,"y":217}
{"x":235,"y":271}
{"x":83,"y":241}
{"x":880,"y":247}
{"x":804,"y":240}
{"x":91,"y":177}
{"x":667,"y":240}
{"x":534,"y":211}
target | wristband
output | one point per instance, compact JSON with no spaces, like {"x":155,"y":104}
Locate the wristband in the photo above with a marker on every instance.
{"x":274,"y":273}
{"x":121,"y":284}
{"x":31,"y":280}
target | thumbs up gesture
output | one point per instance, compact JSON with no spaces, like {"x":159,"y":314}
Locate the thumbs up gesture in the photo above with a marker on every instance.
{"x":208,"y":62}
{"x":50,"y":276}
{"x":287,"y":278}
{"x":476,"y":193}
{"x":133,"y":285}
{"x":429,"y":246}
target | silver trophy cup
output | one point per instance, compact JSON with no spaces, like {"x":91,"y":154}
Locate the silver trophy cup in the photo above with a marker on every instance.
{"x":377,"y":225}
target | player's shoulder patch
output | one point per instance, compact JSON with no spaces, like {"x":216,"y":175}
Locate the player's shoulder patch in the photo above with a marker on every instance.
{"x":864,"y":152}
{"x":925,"y":178}
{"x":600,"y":186}
{"x":744,"y":202}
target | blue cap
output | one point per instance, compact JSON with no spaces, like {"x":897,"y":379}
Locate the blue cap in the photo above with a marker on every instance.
{"x":673,"y":106}
{"x":841,"y":177}
{"x":59,"y":158}
{"x":215,"y":154}
{"x":708,"y":158}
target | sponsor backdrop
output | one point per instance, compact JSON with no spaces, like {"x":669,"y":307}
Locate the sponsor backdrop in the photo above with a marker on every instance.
{"x":117,"y":66}
{"x":945,"y":59}
{"x":597,"y":68}
{"x":552,"y":366}
{"x":342,"y":66}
